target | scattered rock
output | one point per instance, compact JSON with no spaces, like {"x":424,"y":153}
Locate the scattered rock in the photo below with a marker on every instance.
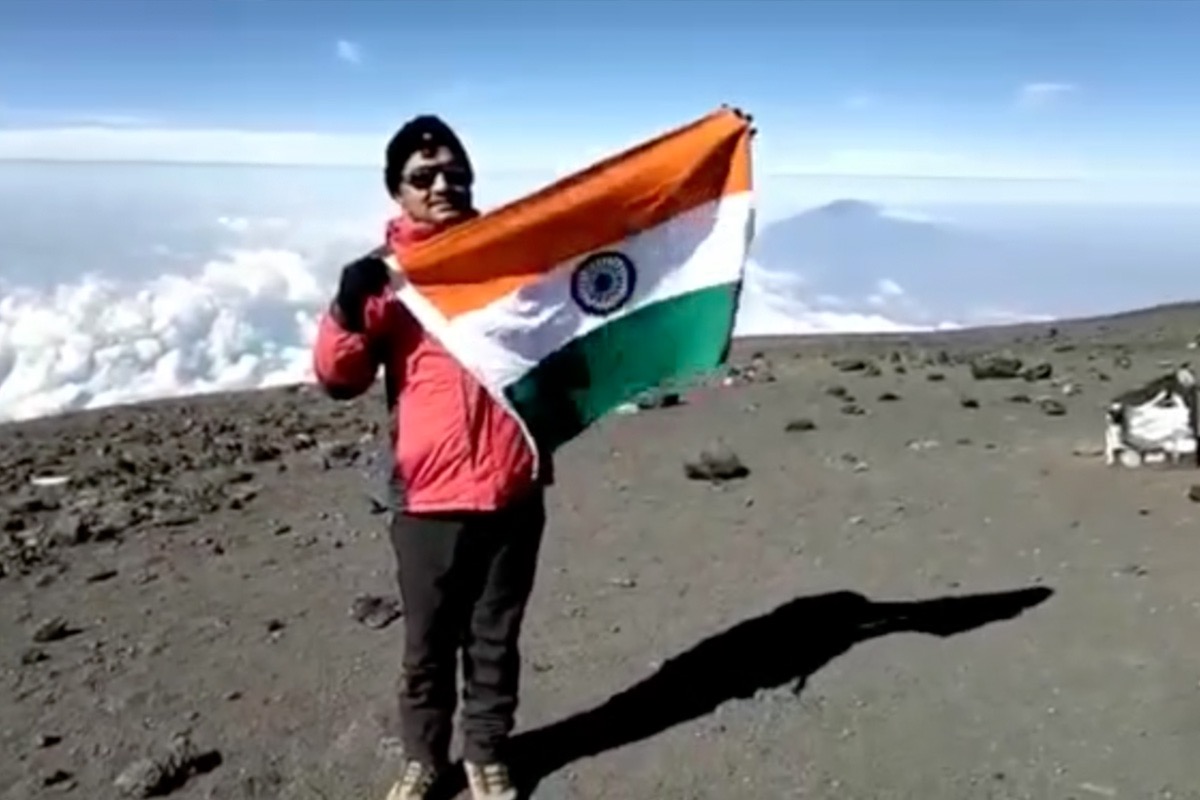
{"x":375,"y":611}
{"x":1087,"y":450}
{"x":1020,"y":398}
{"x":854,"y":365}
{"x":1193,"y":493}
{"x":855,"y":463}
{"x":258,"y":452}
{"x":995,"y":367}
{"x":655,"y":399}
{"x":164,"y":773}
{"x":337,"y":454}
{"x":57,"y":778}
{"x":889,"y":397}
{"x":69,"y":529}
{"x":45,"y":740}
{"x":33,"y":656}
{"x":1038,"y":372}
{"x":800,"y":425}
{"x":1051,"y":407}
{"x":935,"y":377}
{"x":840,"y":392}
{"x":853,"y":410}
{"x":52,"y":630}
{"x":968,"y":402}
{"x":759,"y":370}
{"x":716,"y":463}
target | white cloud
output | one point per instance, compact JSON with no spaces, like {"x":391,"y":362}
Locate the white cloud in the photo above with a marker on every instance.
{"x":499,"y":151}
{"x":20,"y":117}
{"x":201,"y":146}
{"x":899,"y":163}
{"x":244,"y":321}
{"x":1044,"y":94}
{"x":349,"y":51}
{"x":243,"y":318}
{"x":775,"y":303}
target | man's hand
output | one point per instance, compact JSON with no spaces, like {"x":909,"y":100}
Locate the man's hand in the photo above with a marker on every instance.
{"x":743,"y":115}
{"x":360,"y":280}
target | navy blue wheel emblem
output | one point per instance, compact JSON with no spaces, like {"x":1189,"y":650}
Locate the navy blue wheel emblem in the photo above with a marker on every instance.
{"x":603,"y":282}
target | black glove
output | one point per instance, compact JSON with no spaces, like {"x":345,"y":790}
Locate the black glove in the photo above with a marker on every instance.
{"x":360,"y":280}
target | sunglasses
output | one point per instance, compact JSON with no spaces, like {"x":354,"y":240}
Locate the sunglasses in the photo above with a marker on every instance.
{"x":423,"y":178}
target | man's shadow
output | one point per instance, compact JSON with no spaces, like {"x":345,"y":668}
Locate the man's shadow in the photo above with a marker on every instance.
{"x":787,"y":645}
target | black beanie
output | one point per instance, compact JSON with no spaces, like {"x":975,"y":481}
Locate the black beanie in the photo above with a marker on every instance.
{"x":420,"y":133}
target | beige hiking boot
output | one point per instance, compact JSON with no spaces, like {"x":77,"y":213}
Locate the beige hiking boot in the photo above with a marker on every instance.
{"x":415,"y":782}
{"x":490,"y":782}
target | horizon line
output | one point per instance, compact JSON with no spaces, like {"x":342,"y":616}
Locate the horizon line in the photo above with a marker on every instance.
{"x":781,"y":173}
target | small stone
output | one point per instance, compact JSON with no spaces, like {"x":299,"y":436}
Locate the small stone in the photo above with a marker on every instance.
{"x":935,"y":377}
{"x":70,"y":529}
{"x":57,"y":778}
{"x":853,"y":410}
{"x":1051,"y":407}
{"x":889,"y":397}
{"x":52,"y":630}
{"x":968,"y":402}
{"x":995,"y":367}
{"x":374,"y":611}
{"x":716,"y":463}
{"x":853,"y":365}
{"x":800,"y":425}
{"x":142,"y":778}
{"x":1193,"y":493}
{"x":1038,"y":372}
{"x":33,"y":656}
{"x":169,"y":770}
{"x":44,"y":740}
{"x":651,"y":400}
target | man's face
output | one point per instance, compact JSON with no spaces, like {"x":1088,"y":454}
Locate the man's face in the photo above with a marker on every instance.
{"x":435,"y":187}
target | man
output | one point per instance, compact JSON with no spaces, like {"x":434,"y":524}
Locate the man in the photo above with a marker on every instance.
{"x":469,"y":514}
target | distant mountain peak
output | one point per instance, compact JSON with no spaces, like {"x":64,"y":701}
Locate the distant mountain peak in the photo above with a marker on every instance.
{"x":849,"y":207}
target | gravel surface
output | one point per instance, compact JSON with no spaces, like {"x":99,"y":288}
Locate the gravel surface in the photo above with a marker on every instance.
{"x":869,"y":568}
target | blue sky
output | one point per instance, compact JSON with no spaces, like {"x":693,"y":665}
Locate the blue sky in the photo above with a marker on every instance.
{"x":1019,"y":88}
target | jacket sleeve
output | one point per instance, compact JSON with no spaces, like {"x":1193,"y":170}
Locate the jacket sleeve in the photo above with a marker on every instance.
{"x":346,"y":363}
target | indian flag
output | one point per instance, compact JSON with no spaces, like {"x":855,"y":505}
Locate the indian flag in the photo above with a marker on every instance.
{"x":615,"y":280}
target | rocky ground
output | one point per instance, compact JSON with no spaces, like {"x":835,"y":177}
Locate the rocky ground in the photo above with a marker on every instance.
{"x":900,"y":570}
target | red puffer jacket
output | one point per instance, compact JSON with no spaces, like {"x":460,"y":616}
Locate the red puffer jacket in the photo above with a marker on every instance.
{"x":456,"y":448}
